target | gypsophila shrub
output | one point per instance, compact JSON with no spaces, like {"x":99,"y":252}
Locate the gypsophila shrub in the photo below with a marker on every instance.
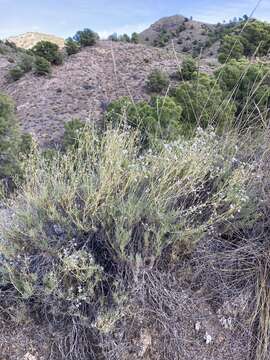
{"x":87,"y":218}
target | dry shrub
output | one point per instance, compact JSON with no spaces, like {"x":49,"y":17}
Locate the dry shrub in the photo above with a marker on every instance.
{"x":86,"y":221}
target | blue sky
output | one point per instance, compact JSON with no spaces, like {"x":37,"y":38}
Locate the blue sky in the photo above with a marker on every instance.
{"x":65,"y":17}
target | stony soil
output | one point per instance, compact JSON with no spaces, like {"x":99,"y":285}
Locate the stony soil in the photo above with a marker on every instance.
{"x":85,"y":84}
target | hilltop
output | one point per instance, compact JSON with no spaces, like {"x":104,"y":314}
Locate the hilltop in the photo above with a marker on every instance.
{"x":185,"y":33}
{"x":30,"y":39}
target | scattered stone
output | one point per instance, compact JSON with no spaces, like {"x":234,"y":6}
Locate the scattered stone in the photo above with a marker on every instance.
{"x":29,"y":356}
{"x":198,"y":326}
{"x":58,"y":229}
{"x":208,"y":339}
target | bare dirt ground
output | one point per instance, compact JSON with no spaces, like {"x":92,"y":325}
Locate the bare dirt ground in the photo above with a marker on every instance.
{"x":23,"y":342}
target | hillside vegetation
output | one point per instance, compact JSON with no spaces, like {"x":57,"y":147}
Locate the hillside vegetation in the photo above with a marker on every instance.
{"x":142,"y":231}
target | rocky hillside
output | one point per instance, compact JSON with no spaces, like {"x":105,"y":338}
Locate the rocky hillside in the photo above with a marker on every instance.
{"x":84,"y":85}
{"x":186,"y":34}
{"x":29,"y":39}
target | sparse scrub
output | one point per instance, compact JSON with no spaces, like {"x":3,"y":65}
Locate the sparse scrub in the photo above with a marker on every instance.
{"x":121,"y":235}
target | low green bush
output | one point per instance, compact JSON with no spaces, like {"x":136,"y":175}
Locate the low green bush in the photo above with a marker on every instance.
{"x":12,"y":145}
{"x":86,"y":37}
{"x":71,"y":46}
{"x":42,"y":66}
{"x":157,"y":81}
{"x":26,"y":62}
{"x":48,"y":51}
{"x":72,"y":133}
{"x":248,"y":85}
{"x":24,"y":65}
{"x":124,"y":38}
{"x":231,"y":48}
{"x":16,"y":73}
{"x":189,"y":69}
{"x":156,"y":120}
{"x":203,"y":103}
{"x":135,"y":38}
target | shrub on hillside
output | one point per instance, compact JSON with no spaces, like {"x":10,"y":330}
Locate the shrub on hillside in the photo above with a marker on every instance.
{"x":26,"y":62}
{"x":249,"y":85}
{"x":243,"y":38}
{"x":157,"y":81}
{"x":16,"y":73}
{"x":48,"y":51}
{"x":231,"y":48}
{"x":72,"y":133}
{"x":135,"y":38}
{"x":9,"y":137}
{"x":71,"y":46}
{"x":159,"y":119}
{"x":86,"y":37}
{"x":113,"y":37}
{"x":163,"y":38}
{"x":24,"y":65}
{"x":256,"y":38}
{"x":12,"y":144}
{"x":25,"y":144}
{"x":189,"y":68}
{"x":203,"y":103}
{"x":42,"y":66}
{"x":124,"y":38}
